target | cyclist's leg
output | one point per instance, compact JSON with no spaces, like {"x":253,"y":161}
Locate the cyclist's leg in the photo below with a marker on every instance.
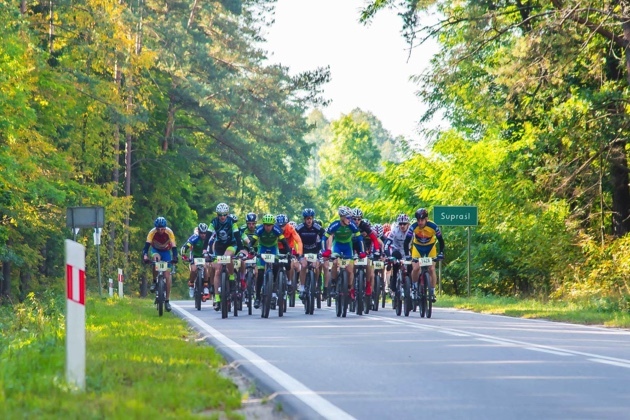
{"x":370,"y":279}
{"x":415,"y":272}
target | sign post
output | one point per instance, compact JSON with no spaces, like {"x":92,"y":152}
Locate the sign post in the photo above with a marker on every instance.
{"x":111,"y":287}
{"x":88,"y":217}
{"x":120,"y":283}
{"x":75,"y":314}
{"x":457,"y":216}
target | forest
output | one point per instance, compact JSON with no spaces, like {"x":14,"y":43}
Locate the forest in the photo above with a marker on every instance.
{"x":152,"y":108}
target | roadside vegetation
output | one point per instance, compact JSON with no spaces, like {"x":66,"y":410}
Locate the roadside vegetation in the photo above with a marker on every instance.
{"x":598,"y":311}
{"x":139,"y":365}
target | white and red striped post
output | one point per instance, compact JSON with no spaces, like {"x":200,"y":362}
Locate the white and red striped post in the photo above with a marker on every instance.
{"x":120,"y":283}
{"x":75,"y":314}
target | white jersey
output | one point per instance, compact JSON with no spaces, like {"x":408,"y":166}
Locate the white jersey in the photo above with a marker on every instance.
{"x":397,"y":239}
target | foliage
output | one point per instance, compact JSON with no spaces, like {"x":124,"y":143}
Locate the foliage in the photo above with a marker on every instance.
{"x":123,"y":363}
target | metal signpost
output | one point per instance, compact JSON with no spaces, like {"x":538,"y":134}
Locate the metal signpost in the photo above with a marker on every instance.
{"x":88,"y":217}
{"x":457,"y":216}
{"x":75,"y":314}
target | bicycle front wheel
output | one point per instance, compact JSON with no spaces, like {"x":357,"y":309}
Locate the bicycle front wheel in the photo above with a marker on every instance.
{"x":360,"y":291}
{"x":282,"y":281}
{"x":225,"y":293}
{"x":266,"y":294}
{"x":160,"y":295}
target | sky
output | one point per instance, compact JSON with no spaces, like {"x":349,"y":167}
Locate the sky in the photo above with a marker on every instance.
{"x":370,"y":65}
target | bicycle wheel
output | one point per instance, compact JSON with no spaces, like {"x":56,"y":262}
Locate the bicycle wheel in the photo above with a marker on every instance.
{"x":345,"y":297}
{"x":198,"y":289}
{"x":160,"y":295}
{"x":225,"y":293}
{"x":291,"y":288}
{"x":312,"y":291}
{"x":235,"y":297}
{"x":376,"y":292}
{"x":423,"y":294}
{"x":407,"y":295}
{"x":282,"y":281}
{"x":383,"y":293}
{"x":398,"y":295}
{"x":360,"y":291}
{"x":318,"y":292}
{"x":266,"y":294}
{"x":249,"y":291}
{"x":429,"y":302}
{"x":339,"y":298}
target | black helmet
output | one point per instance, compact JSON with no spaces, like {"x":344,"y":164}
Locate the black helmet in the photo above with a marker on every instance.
{"x":251,"y":217}
{"x":422,"y":213}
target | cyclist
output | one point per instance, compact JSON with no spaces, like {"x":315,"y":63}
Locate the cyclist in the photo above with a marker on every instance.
{"x":311,"y":235}
{"x":425,"y":234}
{"x":294,"y":241}
{"x":395,"y":245}
{"x":248,"y":230}
{"x":369,"y":241}
{"x":343,"y":232}
{"x":198,"y":244}
{"x":227,"y":241}
{"x":160,"y":241}
{"x":267,"y":238}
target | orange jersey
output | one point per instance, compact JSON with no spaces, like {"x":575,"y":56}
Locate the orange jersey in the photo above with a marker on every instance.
{"x":292,"y":237}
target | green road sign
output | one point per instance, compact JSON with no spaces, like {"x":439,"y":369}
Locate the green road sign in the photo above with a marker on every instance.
{"x":455,"y":215}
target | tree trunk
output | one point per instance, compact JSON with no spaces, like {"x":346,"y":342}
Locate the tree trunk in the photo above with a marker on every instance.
{"x":25,"y":281}
{"x":5,"y":290}
{"x":620,"y":189}
{"x":170,"y":123}
{"x":116,"y":172}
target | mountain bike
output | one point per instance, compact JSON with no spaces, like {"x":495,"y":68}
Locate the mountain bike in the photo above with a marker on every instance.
{"x":360,"y":285}
{"x":229,"y":295}
{"x":397,"y":299}
{"x":378,"y":293}
{"x":250,"y":282}
{"x":198,"y":287}
{"x":406,"y":285}
{"x":342,"y":298}
{"x":328,"y":289}
{"x":273,"y":285}
{"x":310,"y":285}
{"x":160,"y":287}
{"x":426,"y":305}
{"x":291,"y":287}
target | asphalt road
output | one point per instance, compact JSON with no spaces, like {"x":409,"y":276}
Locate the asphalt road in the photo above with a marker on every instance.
{"x":456,"y":365}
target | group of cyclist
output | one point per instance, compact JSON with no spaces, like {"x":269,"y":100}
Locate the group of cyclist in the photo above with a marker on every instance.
{"x":350,"y":236}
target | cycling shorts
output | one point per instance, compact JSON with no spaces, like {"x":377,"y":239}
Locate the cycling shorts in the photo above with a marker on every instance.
{"x":418,"y":251}
{"x":221,"y":249}
{"x":165,"y":255}
{"x":265,"y":250}
{"x":343,"y":248}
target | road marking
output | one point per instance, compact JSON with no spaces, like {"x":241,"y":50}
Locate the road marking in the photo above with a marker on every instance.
{"x":309,"y":397}
{"x":559,"y":353}
{"x":610,"y":362}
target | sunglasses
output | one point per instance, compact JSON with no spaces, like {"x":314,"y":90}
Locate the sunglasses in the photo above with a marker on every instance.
{"x":222,"y":214}
{"x":403,"y":224}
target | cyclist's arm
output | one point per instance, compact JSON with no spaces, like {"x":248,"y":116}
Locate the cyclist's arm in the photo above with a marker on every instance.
{"x":145,"y":250}
{"x":297,"y":241}
{"x":406,"y":247}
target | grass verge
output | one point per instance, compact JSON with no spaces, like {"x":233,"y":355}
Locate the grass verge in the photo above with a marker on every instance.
{"x":576,"y":313}
{"x":139,"y":365}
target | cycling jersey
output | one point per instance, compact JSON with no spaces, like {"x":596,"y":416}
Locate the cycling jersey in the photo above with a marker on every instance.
{"x":342,"y":234}
{"x":268,"y":239}
{"x":294,"y":240}
{"x":160,"y":241}
{"x":226,"y":234}
{"x":197,"y":245}
{"x":396,"y":240}
{"x":424,"y":238}
{"x":311,"y":237}
{"x":368,"y":236}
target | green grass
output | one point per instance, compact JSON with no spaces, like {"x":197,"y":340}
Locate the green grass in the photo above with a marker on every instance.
{"x":139,"y":365}
{"x":586,"y":313}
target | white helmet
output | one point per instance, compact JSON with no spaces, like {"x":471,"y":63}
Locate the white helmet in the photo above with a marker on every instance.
{"x":345,"y":211}
{"x":222,"y":208}
{"x":402,"y":218}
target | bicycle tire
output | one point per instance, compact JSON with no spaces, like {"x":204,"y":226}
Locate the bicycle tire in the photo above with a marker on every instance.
{"x":160,"y":295}
{"x":407,"y":291}
{"x":338,"y":298}
{"x":397,"y":295}
{"x":360,"y":291}
{"x":312,"y":291}
{"x":282,"y":281}
{"x":318,"y":288}
{"x":429,"y":302}
{"x":235,"y":298}
{"x":266,"y":294}
{"x":198,"y":289}
{"x":291,"y":291}
{"x":423,"y":294}
{"x":249,"y":291}
{"x":345,"y":297}
{"x":225,"y":290}
{"x":383,"y":292}
{"x":376,"y":292}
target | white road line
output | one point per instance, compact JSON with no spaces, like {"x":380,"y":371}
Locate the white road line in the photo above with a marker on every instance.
{"x":610,"y":362}
{"x":309,"y":397}
{"x":505,"y":341}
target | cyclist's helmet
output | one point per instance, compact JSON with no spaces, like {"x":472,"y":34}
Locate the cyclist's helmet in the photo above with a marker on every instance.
{"x":308,"y":213}
{"x":251,"y":217}
{"x":292,"y":223}
{"x":222,"y":208}
{"x":160,"y":222}
{"x":202,"y":228}
{"x":402,"y":218}
{"x":378,"y":228}
{"x":268,"y":219}
{"x":356,"y":212}
{"x":282,"y":220}
{"x":422,"y":213}
{"x":344,"y":211}
{"x":234,"y":217}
